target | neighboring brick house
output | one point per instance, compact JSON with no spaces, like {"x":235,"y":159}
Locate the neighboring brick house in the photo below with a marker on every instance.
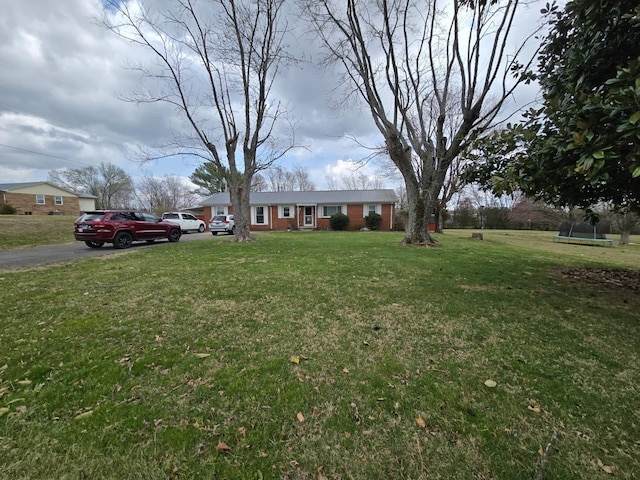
{"x":308,"y":210}
{"x":43,"y":198}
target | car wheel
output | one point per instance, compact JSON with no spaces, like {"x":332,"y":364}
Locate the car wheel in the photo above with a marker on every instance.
{"x":201,"y":229}
{"x":233,"y":230}
{"x":214,"y":233}
{"x":94,"y":243}
{"x":123,"y":240}
{"x":174,"y":235}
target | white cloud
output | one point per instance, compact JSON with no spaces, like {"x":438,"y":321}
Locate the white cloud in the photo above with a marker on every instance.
{"x":63,"y":75}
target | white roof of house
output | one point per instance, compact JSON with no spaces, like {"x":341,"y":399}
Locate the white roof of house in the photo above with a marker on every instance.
{"x":314,"y":197}
{"x":7,"y":187}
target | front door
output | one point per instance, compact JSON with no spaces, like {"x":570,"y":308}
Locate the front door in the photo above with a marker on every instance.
{"x":308,"y":217}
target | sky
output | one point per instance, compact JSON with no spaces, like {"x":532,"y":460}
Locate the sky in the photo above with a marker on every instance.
{"x":64,"y":76}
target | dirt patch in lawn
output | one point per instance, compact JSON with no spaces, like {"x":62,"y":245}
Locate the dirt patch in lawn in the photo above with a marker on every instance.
{"x":605,"y":278}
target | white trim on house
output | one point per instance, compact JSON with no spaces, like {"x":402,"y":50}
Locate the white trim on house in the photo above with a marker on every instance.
{"x":367,"y":210}
{"x":326,"y":211}
{"x":286,"y":211}
{"x":260,"y":211}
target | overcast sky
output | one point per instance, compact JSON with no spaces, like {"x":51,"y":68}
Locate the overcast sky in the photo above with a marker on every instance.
{"x":62,"y":79}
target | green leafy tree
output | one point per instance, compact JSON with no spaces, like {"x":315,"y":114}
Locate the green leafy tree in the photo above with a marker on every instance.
{"x":583,"y":146}
{"x":209,"y":178}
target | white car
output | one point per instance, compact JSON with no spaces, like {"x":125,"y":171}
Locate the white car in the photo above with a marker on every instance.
{"x":187,"y":221}
{"x":222,"y":224}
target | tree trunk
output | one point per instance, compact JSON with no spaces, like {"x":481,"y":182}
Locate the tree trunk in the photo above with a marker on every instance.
{"x":416,"y":230}
{"x":624,"y":237}
{"x":241,"y":211}
{"x":439,"y":217}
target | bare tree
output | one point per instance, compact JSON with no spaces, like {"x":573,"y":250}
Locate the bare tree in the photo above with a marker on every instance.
{"x":110,"y":184}
{"x":412,"y":61}
{"x":360,"y":181}
{"x":282,"y":180}
{"x":161,"y":194}
{"x":302,"y":180}
{"x":259,"y":184}
{"x":217,"y":62}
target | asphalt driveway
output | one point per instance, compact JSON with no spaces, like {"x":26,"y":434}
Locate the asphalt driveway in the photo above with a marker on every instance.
{"x":20,"y":258}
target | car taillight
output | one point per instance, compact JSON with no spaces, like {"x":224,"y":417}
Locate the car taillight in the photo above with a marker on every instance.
{"x":226,"y":221}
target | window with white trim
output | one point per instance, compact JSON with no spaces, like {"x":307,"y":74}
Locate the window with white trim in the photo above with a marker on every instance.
{"x":220,"y":210}
{"x":58,"y":200}
{"x":259,"y":215}
{"x":40,"y":199}
{"x":372,"y":208}
{"x":285,"y":211}
{"x":329,"y":210}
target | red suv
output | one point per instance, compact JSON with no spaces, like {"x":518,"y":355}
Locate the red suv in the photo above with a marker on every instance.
{"x":122,"y":228}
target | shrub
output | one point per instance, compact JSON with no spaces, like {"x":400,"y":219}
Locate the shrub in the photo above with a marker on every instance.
{"x":339,"y":221}
{"x":373,"y":221}
{"x":6,"y":209}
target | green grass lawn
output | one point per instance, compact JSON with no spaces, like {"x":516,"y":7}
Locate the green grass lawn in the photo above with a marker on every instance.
{"x":323,"y":355}
{"x":34,"y":230}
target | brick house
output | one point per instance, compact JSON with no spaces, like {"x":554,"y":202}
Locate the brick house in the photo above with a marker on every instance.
{"x":308,"y":210}
{"x":43,"y":198}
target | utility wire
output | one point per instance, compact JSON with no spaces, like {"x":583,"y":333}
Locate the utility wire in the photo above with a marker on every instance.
{"x":44,"y":154}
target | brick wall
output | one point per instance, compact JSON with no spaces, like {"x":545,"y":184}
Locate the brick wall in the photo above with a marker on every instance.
{"x":355,"y":213}
{"x":26,"y":202}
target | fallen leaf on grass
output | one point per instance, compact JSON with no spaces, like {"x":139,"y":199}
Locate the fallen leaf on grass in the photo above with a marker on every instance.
{"x":202,"y":355}
{"x":605,"y":468}
{"x":490,"y":383}
{"x":21,"y":410}
{"x":534,"y":409}
{"x":24,"y":382}
{"x":421,"y":423}
{"x":321,"y":476}
{"x":222,"y":447}
{"x":300,"y":417}
{"x":295,"y":359}
{"x":3,"y":410}
{"x":84,"y":415}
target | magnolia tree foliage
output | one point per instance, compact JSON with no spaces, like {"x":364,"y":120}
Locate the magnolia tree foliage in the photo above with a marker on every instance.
{"x":582,"y":146}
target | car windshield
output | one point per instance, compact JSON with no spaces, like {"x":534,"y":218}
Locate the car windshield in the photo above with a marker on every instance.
{"x":219,"y":218}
